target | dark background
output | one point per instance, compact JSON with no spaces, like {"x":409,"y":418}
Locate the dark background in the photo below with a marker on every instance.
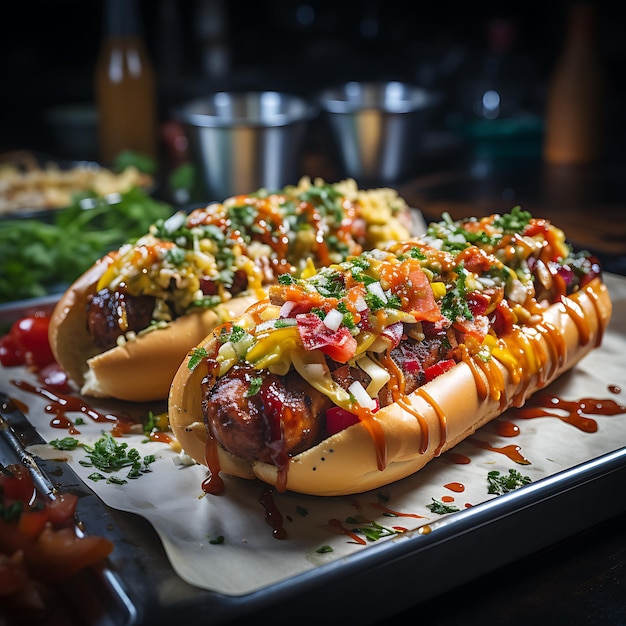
{"x":48,"y":49}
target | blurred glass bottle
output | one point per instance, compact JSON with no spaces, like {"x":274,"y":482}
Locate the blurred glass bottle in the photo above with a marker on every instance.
{"x":576,"y":93}
{"x":125,"y":85}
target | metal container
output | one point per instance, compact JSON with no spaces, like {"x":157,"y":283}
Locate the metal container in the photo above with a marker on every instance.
{"x":242,"y":141}
{"x":377,"y":127}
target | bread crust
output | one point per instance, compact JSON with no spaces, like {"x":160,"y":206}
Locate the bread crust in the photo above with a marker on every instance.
{"x":450,"y":408}
{"x":140,"y":370}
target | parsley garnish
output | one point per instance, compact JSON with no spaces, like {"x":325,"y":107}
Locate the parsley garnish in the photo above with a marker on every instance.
{"x":197,"y":355}
{"x":255,"y":385}
{"x":108,"y":455}
{"x":372,"y":530}
{"x":324,"y":549}
{"x":501,"y":484}
{"x":67,"y":443}
{"x":513,"y":222}
{"x":440,"y":508}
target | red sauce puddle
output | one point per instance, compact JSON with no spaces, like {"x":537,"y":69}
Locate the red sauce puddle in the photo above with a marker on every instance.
{"x":573,"y":412}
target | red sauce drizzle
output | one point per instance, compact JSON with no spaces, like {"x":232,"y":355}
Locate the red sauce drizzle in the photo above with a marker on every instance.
{"x":578,"y":317}
{"x":575,"y":412}
{"x":381,"y":507}
{"x":458,"y":459}
{"x":443,"y":425}
{"x":456,"y":487}
{"x":272,"y":515}
{"x":213,"y":483}
{"x":61,"y":403}
{"x":505,"y":429}
{"x":447,"y":498}
{"x":511,"y":451}
{"x":335,"y":523}
{"x":406,"y":405}
{"x":615,"y":389}
{"x":593,"y":297}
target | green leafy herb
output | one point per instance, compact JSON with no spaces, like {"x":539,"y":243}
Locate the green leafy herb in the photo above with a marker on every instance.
{"x":38,"y":257}
{"x":255,"y":385}
{"x":500,"y":484}
{"x":513,"y":222}
{"x":108,"y":455}
{"x":67,"y":443}
{"x":324,"y":549}
{"x":373,"y":531}
{"x":197,"y":355}
{"x":440,"y":508}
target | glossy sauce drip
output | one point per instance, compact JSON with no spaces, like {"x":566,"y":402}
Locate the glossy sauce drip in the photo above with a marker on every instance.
{"x":495,"y":382}
{"x":443,"y":423}
{"x":615,"y":389}
{"x":272,"y":515}
{"x":456,"y":487}
{"x":456,"y":458}
{"x":376,"y":432}
{"x":505,"y":429}
{"x":511,"y":451}
{"x":447,"y":499}
{"x":408,"y":407}
{"x":578,"y":317}
{"x":473,"y":363}
{"x":556,"y":346}
{"x":574,"y":412}
{"x":61,"y":403}
{"x":213,"y":483}
{"x":384,"y":509}
{"x":593,"y":297}
{"x":335,"y":523}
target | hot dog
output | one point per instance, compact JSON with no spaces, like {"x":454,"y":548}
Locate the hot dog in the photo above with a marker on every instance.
{"x":123,"y":328}
{"x":358,"y":374}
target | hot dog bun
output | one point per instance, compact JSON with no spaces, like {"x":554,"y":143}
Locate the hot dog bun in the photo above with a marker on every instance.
{"x":345,"y":463}
{"x":196,"y":270}
{"x":140,"y":370}
{"x":502,"y":331}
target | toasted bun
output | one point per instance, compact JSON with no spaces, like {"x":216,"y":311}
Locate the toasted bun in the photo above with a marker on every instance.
{"x":141,"y":370}
{"x":450,"y":408}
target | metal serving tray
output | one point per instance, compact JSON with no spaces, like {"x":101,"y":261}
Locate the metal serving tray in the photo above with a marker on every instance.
{"x":139,"y":586}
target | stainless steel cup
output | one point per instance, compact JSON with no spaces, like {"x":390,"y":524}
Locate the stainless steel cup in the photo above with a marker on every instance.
{"x":242,"y":141}
{"x":377,"y":127}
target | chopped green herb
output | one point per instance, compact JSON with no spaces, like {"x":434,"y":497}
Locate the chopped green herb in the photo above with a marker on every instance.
{"x":513,"y":222}
{"x":67,"y":443}
{"x":501,"y":484}
{"x":324,"y":549}
{"x":255,"y":385}
{"x":196,"y":357}
{"x":109,"y":456}
{"x":440,"y":508}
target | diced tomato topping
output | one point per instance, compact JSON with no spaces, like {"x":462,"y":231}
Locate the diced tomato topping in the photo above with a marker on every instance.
{"x":477,"y":302}
{"x":338,"y":419}
{"x":338,"y":344}
{"x":438,"y":368}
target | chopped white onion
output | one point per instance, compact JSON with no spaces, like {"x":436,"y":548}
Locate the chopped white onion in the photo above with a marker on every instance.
{"x":286,"y":308}
{"x":361,"y":396}
{"x":333,"y":319}
{"x":314,"y":370}
{"x":360,"y":304}
{"x":376,"y":289}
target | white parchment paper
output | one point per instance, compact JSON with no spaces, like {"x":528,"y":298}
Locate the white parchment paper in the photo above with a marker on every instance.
{"x":249,"y":558}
